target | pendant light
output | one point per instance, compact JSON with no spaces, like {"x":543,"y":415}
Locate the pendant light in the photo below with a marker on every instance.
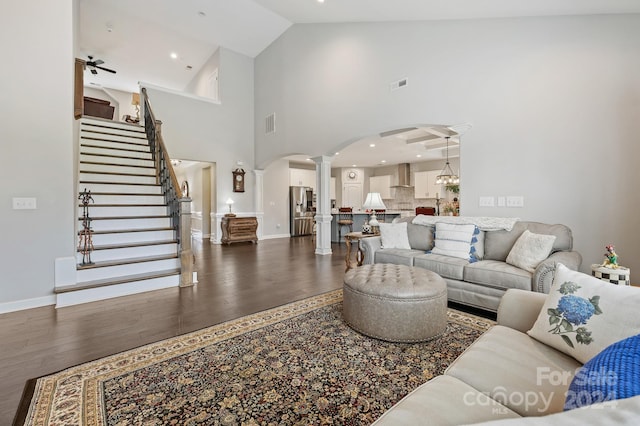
{"x":447,"y":176}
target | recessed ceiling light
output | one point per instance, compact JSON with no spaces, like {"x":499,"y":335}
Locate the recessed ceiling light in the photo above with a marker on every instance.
{"x":372,"y":145}
{"x":309,"y":159}
{"x":383,"y":161}
{"x":174,"y":55}
{"x":337,"y":153}
{"x":202,"y":14}
{"x":189,"y":67}
{"x":320,"y":1}
{"x":353,"y":165}
{"x":419,"y":155}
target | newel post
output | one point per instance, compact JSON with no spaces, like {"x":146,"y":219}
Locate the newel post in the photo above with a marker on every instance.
{"x":186,"y":255}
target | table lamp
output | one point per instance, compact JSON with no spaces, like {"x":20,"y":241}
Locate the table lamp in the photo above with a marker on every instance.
{"x":373,"y":203}
{"x":230,"y":203}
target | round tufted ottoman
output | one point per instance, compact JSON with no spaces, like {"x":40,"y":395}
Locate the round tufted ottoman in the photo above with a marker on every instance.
{"x":396,"y":303}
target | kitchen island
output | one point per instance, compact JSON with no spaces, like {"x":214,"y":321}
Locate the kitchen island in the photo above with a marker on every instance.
{"x":359,"y":219}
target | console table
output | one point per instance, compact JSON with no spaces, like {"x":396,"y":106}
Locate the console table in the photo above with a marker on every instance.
{"x":239,"y":229}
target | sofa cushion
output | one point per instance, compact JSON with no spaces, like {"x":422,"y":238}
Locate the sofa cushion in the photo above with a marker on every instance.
{"x":583,"y":315}
{"x":445,"y":266}
{"x":444,"y":400}
{"x":394,"y":235}
{"x":455,"y":240}
{"x":612,"y":374}
{"x":498,"y":244}
{"x":519,"y":372}
{"x":420,"y":236}
{"x":530,"y":249}
{"x":492,"y":273}
{"x":397,"y":256}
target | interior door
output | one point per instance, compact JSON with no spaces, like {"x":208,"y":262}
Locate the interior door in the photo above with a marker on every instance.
{"x":352,"y":196}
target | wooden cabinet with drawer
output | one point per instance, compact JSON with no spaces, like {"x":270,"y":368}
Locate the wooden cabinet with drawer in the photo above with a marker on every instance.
{"x":238,"y":229}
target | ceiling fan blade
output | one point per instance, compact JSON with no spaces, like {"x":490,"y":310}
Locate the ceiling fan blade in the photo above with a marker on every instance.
{"x":93,"y":71}
{"x":98,"y":62}
{"x":105,"y":69}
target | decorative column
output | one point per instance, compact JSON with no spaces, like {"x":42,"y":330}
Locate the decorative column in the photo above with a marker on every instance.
{"x":323,"y":204}
{"x":186,"y":255}
{"x":258,"y":199}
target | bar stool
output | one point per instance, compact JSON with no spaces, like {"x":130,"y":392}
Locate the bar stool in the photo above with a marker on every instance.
{"x":345,"y":218}
{"x":429,"y":211}
{"x":381,"y":215}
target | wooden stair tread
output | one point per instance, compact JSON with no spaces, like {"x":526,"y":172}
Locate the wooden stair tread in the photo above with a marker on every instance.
{"x":102,"y":163}
{"x":117,"y":183}
{"x":88,"y":145}
{"x":116,"y":156}
{"x":117,"y":280}
{"x":127,"y":217}
{"x":115,"y":173}
{"x":124,"y":231}
{"x":128,"y":261}
{"x":131,"y":245}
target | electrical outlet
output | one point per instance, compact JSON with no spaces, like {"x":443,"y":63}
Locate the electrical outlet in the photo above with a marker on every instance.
{"x":515,"y":201}
{"x":24,"y":203}
{"x":501,"y":201}
{"x":487,"y":201}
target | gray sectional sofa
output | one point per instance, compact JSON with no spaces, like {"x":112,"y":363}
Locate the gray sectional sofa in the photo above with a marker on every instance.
{"x":480,"y":284}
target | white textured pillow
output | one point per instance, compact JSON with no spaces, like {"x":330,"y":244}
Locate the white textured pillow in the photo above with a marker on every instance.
{"x":394,"y":235}
{"x":530,"y":249}
{"x":454,"y":240}
{"x":583,"y":315}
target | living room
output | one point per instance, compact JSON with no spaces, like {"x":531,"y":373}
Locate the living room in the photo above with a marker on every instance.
{"x":553,"y":102}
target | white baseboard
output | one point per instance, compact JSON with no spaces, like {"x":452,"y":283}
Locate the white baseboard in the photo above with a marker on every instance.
{"x":274,"y":236}
{"x":20,"y":305}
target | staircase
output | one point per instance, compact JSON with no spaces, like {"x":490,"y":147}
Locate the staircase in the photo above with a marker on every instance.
{"x":135,"y":245}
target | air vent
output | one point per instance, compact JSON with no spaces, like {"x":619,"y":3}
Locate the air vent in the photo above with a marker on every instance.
{"x":270,"y":123}
{"x":399,"y":84}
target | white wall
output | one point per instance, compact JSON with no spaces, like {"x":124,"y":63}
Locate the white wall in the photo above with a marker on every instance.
{"x":199,"y":85}
{"x":553,"y":103}
{"x":37,"y":148}
{"x":276,"y":199}
{"x":197,"y":129}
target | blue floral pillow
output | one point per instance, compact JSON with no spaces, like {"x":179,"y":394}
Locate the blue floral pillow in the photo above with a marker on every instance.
{"x":612,"y":374}
{"x":583,"y":315}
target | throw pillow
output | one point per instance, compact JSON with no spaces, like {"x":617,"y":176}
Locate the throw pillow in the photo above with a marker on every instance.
{"x":455,"y":240}
{"x":394,"y":235}
{"x":530,"y":249}
{"x":612,"y":374}
{"x":583,"y":315}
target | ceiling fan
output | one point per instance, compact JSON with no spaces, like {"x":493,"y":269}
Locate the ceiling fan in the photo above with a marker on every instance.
{"x":96,"y":64}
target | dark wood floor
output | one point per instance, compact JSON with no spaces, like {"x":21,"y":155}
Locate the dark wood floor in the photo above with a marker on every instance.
{"x":234,"y":281}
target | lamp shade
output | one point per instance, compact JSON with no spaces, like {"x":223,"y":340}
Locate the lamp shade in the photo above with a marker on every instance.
{"x":135,"y":99}
{"x":374,"y":202}
{"x":229,"y":201}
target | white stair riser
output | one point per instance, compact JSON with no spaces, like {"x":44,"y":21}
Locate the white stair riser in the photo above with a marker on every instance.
{"x":101,"y":293}
{"x":117,"y":178}
{"x":123,"y":161}
{"x":102,"y":133}
{"x":124,"y":211}
{"x":132,"y":237}
{"x":123,"y":270}
{"x":127,"y":199}
{"x":117,"y":169}
{"x":111,"y":151}
{"x":117,"y":128}
{"x":93,"y":123}
{"x":130,"y":252}
{"x":121,"y":187}
{"x":112,"y":142}
{"x":118,"y":224}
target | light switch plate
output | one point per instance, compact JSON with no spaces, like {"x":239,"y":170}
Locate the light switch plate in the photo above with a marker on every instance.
{"x":486,"y":201}
{"x":515,"y":201}
{"x":501,"y":202}
{"x":24,"y":203}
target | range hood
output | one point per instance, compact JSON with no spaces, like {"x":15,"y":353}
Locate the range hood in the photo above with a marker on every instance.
{"x":404,"y":176}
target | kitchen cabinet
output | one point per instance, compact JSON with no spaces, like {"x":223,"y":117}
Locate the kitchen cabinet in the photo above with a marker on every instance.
{"x":302,"y":177}
{"x":381,"y":184}
{"x":332,"y":189}
{"x":425,"y":185}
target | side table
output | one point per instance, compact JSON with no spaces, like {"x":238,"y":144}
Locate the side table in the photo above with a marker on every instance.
{"x":619,"y":276}
{"x":354,"y":236}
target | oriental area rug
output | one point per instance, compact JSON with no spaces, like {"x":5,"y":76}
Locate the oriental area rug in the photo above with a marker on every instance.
{"x":292,"y":365}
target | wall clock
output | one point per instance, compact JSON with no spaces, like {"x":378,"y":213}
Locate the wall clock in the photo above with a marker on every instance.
{"x":352,"y":175}
{"x":238,"y":180}
{"x":185,"y":188}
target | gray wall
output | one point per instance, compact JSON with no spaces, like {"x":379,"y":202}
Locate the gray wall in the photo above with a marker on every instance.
{"x":37,"y":149}
{"x":195,"y":129}
{"x":554,"y":104}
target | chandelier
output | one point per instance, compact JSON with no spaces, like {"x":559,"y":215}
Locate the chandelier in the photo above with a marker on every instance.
{"x":447,"y":176}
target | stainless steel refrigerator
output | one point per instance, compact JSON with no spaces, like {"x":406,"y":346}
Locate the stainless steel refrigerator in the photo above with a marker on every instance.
{"x":301,"y":210}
